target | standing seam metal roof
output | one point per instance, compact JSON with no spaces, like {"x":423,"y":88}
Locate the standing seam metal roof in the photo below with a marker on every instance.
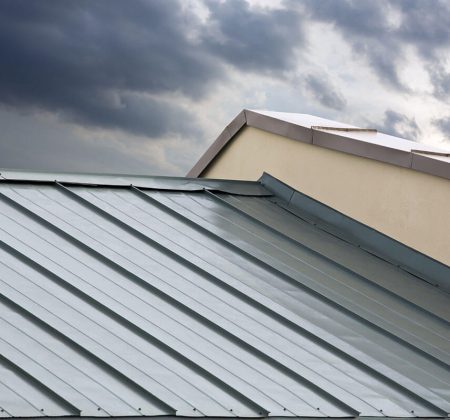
{"x":180,"y":298}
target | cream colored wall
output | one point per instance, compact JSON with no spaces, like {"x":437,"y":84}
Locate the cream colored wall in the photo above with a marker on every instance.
{"x":407,"y":205}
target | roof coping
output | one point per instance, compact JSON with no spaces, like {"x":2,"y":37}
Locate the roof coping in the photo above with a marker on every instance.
{"x":364,"y":142}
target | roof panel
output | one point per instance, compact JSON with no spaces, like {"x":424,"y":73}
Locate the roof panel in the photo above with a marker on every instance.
{"x":121,"y":301}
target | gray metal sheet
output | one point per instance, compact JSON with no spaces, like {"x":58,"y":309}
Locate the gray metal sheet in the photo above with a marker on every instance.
{"x":348,"y":229}
{"x":126,"y":302}
{"x":141,"y":181}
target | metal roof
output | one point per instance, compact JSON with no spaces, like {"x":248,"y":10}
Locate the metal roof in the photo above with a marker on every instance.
{"x":217,"y":301}
{"x":334,"y":135}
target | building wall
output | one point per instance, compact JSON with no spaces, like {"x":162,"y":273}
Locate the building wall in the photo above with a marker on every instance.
{"x":407,"y":205}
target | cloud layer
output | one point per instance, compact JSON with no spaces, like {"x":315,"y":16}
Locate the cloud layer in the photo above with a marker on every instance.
{"x":93,"y":62}
{"x":153,"y":81}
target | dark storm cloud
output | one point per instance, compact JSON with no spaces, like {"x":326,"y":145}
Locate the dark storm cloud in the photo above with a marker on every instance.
{"x":397,"y":124}
{"x":366,"y":26}
{"x":254,"y":39}
{"x":135,"y":114}
{"x":84,"y":60}
{"x":109,"y":63}
{"x":324,"y":92}
{"x":91,"y":62}
{"x":137,"y":46}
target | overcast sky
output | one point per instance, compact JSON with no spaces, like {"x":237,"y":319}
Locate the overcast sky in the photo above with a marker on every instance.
{"x":145,"y":86}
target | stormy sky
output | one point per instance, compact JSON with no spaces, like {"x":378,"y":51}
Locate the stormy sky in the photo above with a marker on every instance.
{"x":144,"y":87}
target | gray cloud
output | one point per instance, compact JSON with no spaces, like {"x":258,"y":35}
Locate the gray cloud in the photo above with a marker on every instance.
{"x":321,"y":89}
{"x":440,"y":80}
{"x":134,"y":114}
{"x":253,"y":39}
{"x":121,"y":66}
{"x":84,"y":60}
{"x":424,"y":25}
{"x":31,"y":143}
{"x":366,"y":26}
{"x":397,"y":124}
{"x":444,"y":125}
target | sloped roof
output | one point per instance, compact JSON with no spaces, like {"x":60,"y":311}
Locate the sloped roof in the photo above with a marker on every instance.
{"x":123,"y":296}
{"x":334,"y":135}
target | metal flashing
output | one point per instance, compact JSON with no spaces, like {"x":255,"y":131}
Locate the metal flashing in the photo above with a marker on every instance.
{"x":354,"y":129}
{"x":224,"y":137}
{"x":141,"y":181}
{"x":335,"y":141}
{"x":184,"y":300}
{"x":278,"y":126}
{"x":352,"y":231}
{"x":433,"y":164}
{"x":363,"y":142}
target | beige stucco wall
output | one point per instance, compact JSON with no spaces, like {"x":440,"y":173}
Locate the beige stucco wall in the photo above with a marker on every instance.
{"x":407,"y":205}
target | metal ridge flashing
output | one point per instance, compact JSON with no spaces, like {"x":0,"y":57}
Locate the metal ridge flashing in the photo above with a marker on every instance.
{"x":359,"y":234}
{"x":434,"y":164}
{"x":363,"y":142}
{"x":252,"y":188}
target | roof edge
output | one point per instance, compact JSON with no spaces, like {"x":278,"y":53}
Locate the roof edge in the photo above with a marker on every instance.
{"x":250,"y":188}
{"x":323,"y":137}
{"x":224,"y":137}
{"x":350,"y":230}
